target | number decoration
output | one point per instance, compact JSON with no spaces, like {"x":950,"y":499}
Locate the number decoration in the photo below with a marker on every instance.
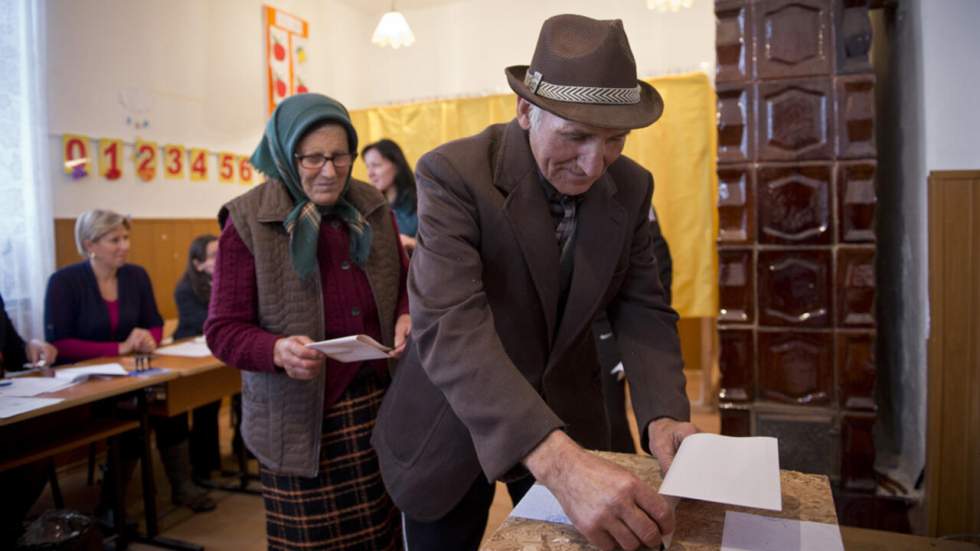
{"x":74,"y":149}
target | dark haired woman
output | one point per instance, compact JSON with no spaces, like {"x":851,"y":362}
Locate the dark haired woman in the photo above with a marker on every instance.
{"x":388,"y":171}
{"x":192,"y":295}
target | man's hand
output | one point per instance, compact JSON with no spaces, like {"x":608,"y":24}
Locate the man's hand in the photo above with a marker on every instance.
{"x":299,"y":362}
{"x":609,"y":505}
{"x":38,"y":350}
{"x":665,"y":436}
{"x":402,"y":328}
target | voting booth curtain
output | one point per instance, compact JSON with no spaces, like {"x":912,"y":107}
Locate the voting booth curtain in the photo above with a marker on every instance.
{"x":680,"y":151}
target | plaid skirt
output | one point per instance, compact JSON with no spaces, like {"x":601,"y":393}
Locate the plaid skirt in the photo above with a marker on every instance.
{"x":346,"y":505}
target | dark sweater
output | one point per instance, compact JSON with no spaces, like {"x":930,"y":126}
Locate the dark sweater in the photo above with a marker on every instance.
{"x":191,"y":311}
{"x":12,"y":353}
{"x":74,"y":307}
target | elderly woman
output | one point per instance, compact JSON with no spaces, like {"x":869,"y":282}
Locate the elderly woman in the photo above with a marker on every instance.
{"x":389,"y":172}
{"x":104,"y":306}
{"x":309,"y":255}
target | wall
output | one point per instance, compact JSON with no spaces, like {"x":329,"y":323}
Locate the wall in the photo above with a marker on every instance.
{"x":929,"y":121}
{"x":197,"y":67}
{"x":462,"y":48}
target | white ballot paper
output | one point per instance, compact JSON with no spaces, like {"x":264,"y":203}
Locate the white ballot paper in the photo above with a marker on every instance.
{"x":79,"y":374}
{"x":355,"y":348}
{"x":32,"y":386}
{"x":190,"y":349}
{"x":746,"y":532}
{"x":540,"y":504}
{"x":15,"y":405}
{"x":726,"y":469}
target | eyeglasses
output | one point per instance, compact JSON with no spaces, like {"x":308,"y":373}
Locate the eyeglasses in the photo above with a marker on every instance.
{"x":315,"y":161}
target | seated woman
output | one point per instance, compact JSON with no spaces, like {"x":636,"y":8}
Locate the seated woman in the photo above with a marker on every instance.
{"x":104,"y":306}
{"x":308,"y":255}
{"x":192,"y":295}
{"x":21,"y":485}
{"x":389,"y":172}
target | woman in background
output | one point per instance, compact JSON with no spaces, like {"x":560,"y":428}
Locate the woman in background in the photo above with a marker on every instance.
{"x":388,"y":171}
{"x":104,"y":306}
{"x":192,"y":295}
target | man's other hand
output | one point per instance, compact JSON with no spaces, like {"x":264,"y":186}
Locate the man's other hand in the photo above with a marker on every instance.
{"x":665,"y":436}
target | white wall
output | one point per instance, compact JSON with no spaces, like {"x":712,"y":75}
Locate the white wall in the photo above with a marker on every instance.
{"x":199,"y":64}
{"x":951,"y":70}
{"x":462,"y":48}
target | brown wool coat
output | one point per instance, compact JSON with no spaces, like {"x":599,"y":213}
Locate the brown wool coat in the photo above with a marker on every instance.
{"x":489,"y":371}
{"x":281,"y":416}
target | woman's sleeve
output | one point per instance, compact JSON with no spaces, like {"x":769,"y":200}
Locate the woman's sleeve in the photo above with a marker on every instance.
{"x":232,"y":328}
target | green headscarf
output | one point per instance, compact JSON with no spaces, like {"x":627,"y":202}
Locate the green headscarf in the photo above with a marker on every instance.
{"x":274,"y":156}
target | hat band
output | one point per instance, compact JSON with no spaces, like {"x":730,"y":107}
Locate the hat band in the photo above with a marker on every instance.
{"x":581,"y":94}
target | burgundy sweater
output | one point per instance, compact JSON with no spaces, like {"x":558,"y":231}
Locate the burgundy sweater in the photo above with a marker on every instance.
{"x":348,"y":305}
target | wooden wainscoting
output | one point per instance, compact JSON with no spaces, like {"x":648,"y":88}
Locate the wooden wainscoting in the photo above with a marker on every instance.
{"x":158,"y":245}
{"x":953,"y":435}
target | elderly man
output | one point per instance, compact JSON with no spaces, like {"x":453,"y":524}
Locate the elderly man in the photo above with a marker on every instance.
{"x":527,"y":231}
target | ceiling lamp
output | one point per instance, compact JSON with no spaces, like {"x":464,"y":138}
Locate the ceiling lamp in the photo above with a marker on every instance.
{"x":668,"y":5}
{"x":393,"y":31}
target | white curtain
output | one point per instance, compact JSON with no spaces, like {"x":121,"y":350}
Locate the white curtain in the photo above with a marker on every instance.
{"x":26,"y":223}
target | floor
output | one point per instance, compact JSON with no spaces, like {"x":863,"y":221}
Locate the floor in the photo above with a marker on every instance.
{"x":239,"y":521}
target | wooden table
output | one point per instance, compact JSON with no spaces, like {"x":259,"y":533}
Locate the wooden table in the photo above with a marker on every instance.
{"x":42,"y":433}
{"x":699,"y":523}
{"x":196,"y":382}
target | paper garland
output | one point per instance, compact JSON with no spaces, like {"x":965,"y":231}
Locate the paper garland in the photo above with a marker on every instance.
{"x":148,"y":159}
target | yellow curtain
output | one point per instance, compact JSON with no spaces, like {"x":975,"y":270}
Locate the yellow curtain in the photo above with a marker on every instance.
{"x":679,"y":150}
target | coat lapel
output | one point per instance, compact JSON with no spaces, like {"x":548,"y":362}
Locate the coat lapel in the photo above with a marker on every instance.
{"x":598,"y":242}
{"x":527,"y":211}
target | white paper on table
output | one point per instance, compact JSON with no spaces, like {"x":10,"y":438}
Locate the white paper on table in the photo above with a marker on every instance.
{"x":32,"y":386}
{"x":355,"y":348}
{"x":190,"y":349}
{"x":747,"y":532}
{"x":540,"y":504}
{"x":79,"y":374}
{"x":15,"y":405}
{"x":726,"y":469}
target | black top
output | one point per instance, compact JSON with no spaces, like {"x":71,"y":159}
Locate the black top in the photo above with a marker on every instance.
{"x":191,"y":311}
{"x":74,"y":307}
{"x":14,"y":356}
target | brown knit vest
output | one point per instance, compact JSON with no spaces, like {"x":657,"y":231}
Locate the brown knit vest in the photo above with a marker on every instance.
{"x":281,"y":417}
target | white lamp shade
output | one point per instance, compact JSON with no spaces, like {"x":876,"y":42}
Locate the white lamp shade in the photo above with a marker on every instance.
{"x":393,"y":31}
{"x":669,"y":5}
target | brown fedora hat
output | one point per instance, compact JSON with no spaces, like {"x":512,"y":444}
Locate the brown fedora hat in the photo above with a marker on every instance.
{"x":583,"y":70}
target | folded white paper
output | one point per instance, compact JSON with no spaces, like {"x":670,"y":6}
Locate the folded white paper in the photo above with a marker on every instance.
{"x":355,"y":348}
{"x":540,"y":504}
{"x":15,"y":405}
{"x":32,"y":386}
{"x":747,"y":532}
{"x":189,"y":349}
{"x":79,"y":374}
{"x":726,"y":469}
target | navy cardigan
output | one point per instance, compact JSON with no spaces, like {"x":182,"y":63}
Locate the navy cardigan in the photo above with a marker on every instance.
{"x":191,"y":311}
{"x":11,"y":345}
{"x":74,"y":307}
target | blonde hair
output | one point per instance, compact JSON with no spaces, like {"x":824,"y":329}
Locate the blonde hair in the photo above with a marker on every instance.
{"x":93,"y":224}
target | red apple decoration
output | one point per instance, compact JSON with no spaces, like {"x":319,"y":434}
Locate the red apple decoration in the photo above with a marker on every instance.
{"x":280,"y":87}
{"x":278,"y":51}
